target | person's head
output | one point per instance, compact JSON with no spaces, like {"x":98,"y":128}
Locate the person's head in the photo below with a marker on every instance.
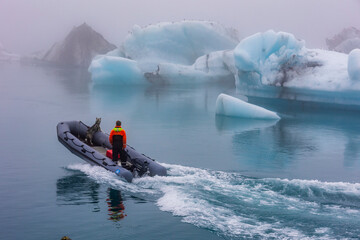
{"x":118,"y":123}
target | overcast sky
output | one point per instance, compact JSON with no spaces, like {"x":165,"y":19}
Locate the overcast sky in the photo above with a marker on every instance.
{"x":31,"y":25}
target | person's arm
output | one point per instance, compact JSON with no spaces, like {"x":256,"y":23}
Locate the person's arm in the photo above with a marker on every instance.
{"x":124,"y":140}
{"x":111,"y":137}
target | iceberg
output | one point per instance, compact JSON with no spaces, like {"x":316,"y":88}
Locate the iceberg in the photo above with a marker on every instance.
{"x":110,"y":70}
{"x":279,"y":59}
{"x":354,"y":65}
{"x":185,"y":52}
{"x":233,"y":107}
{"x":277,"y":65}
{"x":268,"y":65}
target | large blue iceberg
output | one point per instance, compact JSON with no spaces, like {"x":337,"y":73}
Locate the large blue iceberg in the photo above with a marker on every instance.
{"x":165,"y":52}
{"x":270,"y":64}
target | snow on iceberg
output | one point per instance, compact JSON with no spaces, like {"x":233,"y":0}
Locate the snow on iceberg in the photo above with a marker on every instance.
{"x":185,"y":52}
{"x":234,"y":107}
{"x":354,"y":65}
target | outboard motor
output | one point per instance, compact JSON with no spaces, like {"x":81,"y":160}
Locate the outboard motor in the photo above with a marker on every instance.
{"x":140,"y":167}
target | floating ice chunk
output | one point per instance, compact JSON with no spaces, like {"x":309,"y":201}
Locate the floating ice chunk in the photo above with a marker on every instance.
{"x":115,"y":70}
{"x":233,"y":107}
{"x":354,"y":65}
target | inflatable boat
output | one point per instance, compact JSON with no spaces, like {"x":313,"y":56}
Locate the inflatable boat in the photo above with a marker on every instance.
{"x":72,"y":135}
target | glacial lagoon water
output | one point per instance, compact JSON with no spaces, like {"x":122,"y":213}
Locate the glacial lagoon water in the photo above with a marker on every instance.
{"x":297,"y":178}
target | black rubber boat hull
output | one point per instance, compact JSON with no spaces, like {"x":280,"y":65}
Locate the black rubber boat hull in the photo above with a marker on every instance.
{"x":69,"y":134}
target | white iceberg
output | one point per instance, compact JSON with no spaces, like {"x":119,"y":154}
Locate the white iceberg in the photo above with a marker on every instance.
{"x":234,"y":107}
{"x":270,"y":64}
{"x":279,"y":59}
{"x":277,"y":65}
{"x":354,"y":65}
{"x":184,"y":52}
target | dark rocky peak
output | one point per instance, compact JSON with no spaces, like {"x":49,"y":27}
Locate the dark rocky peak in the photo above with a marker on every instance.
{"x":79,"y":47}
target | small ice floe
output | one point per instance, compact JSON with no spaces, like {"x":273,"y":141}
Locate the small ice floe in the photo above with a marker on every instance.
{"x":233,"y":107}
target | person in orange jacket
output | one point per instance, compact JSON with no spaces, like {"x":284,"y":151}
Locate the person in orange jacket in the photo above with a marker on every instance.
{"x":117,"y":139}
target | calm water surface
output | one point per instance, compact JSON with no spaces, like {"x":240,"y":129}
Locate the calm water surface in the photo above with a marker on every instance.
{"x":228,"y":178}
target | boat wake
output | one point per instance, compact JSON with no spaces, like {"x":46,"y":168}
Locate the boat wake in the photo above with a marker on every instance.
{"x":235,"y":206}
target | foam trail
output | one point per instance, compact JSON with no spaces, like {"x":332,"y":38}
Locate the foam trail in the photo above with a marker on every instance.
{"x":235,"y":206}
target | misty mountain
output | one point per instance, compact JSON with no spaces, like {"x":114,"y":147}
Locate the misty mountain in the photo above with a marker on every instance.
{"x":345,"y":41}
{"x":78,"y":48}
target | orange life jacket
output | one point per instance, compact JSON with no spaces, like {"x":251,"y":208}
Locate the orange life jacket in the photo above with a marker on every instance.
{"x":117,"y":130}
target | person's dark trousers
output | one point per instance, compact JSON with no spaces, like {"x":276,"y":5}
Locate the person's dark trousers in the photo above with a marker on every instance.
{"x":122,"y":156}
{"x":116,"y":152}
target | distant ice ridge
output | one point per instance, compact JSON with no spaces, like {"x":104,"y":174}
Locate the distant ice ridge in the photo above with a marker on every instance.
{"x":7,"y":56}
{"x":345,"y":41}
{"x":185,"y":52}
{"x":229,"y":106}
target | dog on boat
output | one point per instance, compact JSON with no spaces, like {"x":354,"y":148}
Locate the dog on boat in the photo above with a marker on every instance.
{"x":92,"y":130}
